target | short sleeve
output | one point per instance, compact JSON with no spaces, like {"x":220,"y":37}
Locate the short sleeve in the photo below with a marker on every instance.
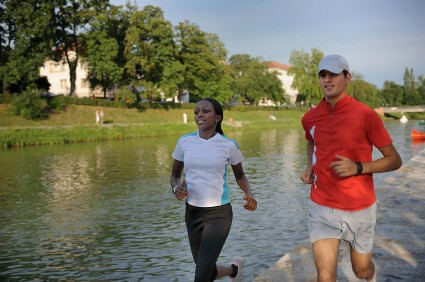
{"x":376,"y":132}
{"x":235,"y":154}
{"x":178,"y":152}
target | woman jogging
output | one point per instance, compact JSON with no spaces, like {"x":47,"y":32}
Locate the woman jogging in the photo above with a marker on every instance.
{"x":204,"y":156}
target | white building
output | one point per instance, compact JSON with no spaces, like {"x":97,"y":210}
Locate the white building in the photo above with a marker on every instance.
{"x":282,"y":70}
{"x":57,"y":74}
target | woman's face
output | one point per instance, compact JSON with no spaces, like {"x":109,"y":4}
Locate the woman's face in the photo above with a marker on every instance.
{"x":205,"y":116}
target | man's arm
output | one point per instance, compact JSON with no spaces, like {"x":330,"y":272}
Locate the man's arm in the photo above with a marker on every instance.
{"x":307,"y":175}
{"x":390,"y":160}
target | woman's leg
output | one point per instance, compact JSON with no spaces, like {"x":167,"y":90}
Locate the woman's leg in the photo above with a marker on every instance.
{"x":208,"y":229}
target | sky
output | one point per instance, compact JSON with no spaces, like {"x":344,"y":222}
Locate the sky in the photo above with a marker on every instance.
{"x":379,"y":38}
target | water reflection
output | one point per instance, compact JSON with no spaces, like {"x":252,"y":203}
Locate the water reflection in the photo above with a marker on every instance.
{"x":104,"y":211}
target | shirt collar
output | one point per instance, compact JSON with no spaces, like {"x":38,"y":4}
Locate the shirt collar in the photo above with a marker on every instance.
{"x":341,"y":103}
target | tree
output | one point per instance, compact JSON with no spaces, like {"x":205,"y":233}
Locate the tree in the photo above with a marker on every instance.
{"x":410,"y":94}
{"x":26,"y":39}
{"x":253,"y":81}
{"x":72,"y":18}
{"x":421,"y":89}
{"x":104,"y":49}
{"x":392,"y":94}
{"x":149,"y":48}
{"x":202,"y":56}
{"x":363,"y":91}
{"x":304,"y":69}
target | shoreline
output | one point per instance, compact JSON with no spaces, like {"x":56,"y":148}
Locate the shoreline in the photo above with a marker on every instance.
{"x":399,"y":247}
{"x":77,"y":124}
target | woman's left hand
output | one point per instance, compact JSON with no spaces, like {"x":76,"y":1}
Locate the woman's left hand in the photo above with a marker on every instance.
{"x":251,"y":203}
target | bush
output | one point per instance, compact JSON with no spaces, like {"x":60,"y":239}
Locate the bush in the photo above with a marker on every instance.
{"x":6,"y":98}
{"x":30,"y":105}
{"x":57,"y":103}
{"x":126,"y":95}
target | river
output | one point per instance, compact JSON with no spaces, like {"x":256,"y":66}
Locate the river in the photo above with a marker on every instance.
{"x":105,"y":212}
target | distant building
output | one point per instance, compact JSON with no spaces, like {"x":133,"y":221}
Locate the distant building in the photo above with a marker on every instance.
{"x":282,"y":70}
{"x":57,"y":74}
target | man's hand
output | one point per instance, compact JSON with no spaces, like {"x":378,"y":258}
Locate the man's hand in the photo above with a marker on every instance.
{"x":308,"y":175}
{"x":344,"y":167}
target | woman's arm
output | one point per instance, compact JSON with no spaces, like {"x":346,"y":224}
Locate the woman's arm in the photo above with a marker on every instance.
{"x":180,"y":192}
{"x":242,"y":181}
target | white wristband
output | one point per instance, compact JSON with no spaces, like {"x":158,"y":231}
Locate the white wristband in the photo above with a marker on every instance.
{"x":174,"y":189}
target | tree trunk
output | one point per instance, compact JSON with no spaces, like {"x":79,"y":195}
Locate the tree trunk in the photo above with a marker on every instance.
{"x":72,"y":76}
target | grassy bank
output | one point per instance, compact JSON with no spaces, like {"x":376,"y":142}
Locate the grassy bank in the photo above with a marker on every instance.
{"x":77,"y":124}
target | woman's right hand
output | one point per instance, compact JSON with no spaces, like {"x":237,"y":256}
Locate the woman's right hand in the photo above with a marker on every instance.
{"x":181,"y":191}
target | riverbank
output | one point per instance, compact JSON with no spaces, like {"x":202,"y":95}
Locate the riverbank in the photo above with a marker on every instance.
{"x":399,"y":250}
{"x":78,"y":124}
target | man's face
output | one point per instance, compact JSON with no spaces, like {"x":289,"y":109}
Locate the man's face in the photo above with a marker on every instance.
{"x":333,"y":85}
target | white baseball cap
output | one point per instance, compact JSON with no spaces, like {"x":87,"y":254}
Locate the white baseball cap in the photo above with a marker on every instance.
{"x":333,"y":63}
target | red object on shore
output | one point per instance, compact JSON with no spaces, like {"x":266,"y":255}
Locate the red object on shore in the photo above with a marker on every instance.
{"x":418,"y":135}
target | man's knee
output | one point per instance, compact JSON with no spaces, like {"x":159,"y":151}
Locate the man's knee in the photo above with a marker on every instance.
{"x":363,"y":271}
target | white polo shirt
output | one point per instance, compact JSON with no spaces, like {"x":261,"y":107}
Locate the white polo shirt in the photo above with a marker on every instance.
{"x":205,"y":167}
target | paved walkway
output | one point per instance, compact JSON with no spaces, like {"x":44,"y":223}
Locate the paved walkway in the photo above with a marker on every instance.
{"x":399,"y":250}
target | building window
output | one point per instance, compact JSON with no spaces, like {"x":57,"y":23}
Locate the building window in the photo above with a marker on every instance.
{"x":84,"y":83}
{"x":63,"y":83}
{"x":57,"y":67}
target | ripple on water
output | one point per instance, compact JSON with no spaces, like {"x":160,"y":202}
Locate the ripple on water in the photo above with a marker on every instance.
{"x":92,"y":212}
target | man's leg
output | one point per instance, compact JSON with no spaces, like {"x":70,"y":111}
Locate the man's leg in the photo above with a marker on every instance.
{"x":362,"y":264}
{"x":325,"y":253}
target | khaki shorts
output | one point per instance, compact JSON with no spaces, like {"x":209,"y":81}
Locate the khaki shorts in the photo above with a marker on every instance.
{"x":357,"y":228}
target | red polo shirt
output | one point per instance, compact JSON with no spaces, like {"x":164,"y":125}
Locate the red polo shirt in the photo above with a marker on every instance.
{"x":349,"y":130}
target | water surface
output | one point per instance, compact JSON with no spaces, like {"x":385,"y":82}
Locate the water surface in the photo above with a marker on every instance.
{"x":105,"y":212}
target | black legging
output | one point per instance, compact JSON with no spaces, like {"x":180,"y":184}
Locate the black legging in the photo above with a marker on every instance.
{"x":207,"y":229}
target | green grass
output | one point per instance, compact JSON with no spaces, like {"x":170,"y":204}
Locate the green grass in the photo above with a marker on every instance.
{"x":77,"y":124}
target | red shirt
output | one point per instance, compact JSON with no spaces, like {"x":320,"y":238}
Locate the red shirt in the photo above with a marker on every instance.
{"x":349,"y":130}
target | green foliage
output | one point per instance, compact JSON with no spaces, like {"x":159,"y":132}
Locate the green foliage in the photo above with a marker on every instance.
{"x":30,"y":105}
{"x":150,"y":49}
{"x":162,"y":119}
{"x":56,"y":103}
{"x":125,"y":94}
{"x":6,"y":98}
{"x":392,"y":94}
{"x":104,"y":49}
{"x":412,"y":93}
{"x":364,"y":92}
{"x":421,"y":89}
{"x":304,"y":69}
{"x":27,"y":38}
{"x":253,"y":81}
{"x":409,"y":87}
{"x":201,"y":55}
{"x":129,"y":46}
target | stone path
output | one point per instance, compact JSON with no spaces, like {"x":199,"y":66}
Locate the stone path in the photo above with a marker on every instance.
{"x":399,"y":249}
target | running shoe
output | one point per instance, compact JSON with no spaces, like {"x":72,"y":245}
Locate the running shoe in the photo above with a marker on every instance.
{"x":238,"y":261}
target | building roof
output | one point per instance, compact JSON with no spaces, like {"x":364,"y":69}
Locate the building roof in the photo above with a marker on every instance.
{"x":277,"y":65}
